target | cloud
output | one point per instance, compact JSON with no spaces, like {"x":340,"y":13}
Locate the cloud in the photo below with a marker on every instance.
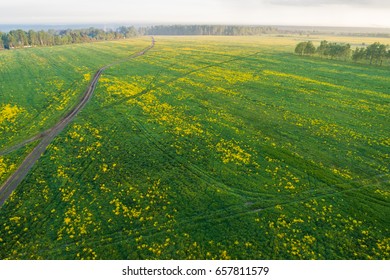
{"x":253,"y":4}
{"x":293,"y":12}
{"x":319,"y":3}
{"x":258,"y":5}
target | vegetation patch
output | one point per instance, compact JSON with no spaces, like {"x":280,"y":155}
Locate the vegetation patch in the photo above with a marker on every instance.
{"x":205,"y":148}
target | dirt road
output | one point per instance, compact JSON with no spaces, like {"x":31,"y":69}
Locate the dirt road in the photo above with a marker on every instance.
{"x":47,"y":137}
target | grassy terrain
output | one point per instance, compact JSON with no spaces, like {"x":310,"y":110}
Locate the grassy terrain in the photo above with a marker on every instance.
{"x":39,"y":85}
{"x":205,"y":148}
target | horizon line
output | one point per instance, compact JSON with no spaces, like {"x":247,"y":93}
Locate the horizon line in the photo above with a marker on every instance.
{"x":146,"y":24}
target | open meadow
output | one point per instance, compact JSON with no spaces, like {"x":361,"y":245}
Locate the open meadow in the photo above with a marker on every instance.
{"x":203,"y":148}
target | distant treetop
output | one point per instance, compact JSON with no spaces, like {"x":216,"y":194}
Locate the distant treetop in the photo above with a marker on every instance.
{"x":375,"y":53}
{"x":20,"y":38}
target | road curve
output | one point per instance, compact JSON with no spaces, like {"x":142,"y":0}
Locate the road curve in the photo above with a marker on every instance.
{"x":47,"y":137}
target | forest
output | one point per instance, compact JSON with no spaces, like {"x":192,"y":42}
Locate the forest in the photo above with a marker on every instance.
{"x":22,"y":39}
{"x":214,"y":30}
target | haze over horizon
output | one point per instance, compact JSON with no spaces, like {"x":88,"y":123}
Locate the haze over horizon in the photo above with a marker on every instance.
{"x":344,"y":13}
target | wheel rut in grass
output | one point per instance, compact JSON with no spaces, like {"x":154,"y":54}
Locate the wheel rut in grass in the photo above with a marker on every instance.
{"x":48,"y":136}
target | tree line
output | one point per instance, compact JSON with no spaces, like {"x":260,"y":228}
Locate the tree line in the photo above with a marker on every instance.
{"x":215,"y":30}
{"x":375,"y":53}
{"x":21,"y":39}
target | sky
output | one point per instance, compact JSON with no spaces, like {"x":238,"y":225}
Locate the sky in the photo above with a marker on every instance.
{"x":359,"y":13}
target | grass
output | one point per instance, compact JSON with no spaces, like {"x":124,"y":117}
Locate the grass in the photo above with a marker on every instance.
{"x":44,"y":83}
{"x":205,"y":148}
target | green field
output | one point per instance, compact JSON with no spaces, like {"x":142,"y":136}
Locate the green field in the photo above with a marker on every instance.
{"x":204,"y":148}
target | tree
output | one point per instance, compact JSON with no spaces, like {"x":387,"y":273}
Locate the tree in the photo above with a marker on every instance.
{"x":309,"y":48}
{"x":17,"y":39}
{"x":359,"y":54}
{"x":41,"y":38}
{"x":9,"y":41}
{"x":300,"y":48}
{"x":340,"y":51}
{"x":345,"y":51}
{"x":22,"y":38}
{"x":376,"y":52}
{"x":381,"y":54}
{"x":333,"y":50}
{"x":305,"y":48}
{"x":127,"y":32}
{"x":32,"y":38}
{"x":323,"y":48}
{"x":1,"y":41}
{"x":122,"y":30}
{"x":131,"y":32}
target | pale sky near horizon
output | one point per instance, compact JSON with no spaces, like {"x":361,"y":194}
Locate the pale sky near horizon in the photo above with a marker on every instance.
{"x":360,"y":13}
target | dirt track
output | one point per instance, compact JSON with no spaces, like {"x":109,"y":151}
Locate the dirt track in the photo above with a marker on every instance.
{"x":47,"y":137}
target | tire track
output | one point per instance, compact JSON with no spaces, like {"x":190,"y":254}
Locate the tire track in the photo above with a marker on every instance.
{"x":47,"y":137}
{"x":178,"y":77}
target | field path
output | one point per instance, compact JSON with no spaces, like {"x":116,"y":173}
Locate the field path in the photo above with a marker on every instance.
{"x":47,"y":137}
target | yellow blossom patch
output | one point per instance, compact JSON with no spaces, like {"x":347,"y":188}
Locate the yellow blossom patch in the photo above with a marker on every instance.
{"x":232,"y":152}
{"x":9,"y":112}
